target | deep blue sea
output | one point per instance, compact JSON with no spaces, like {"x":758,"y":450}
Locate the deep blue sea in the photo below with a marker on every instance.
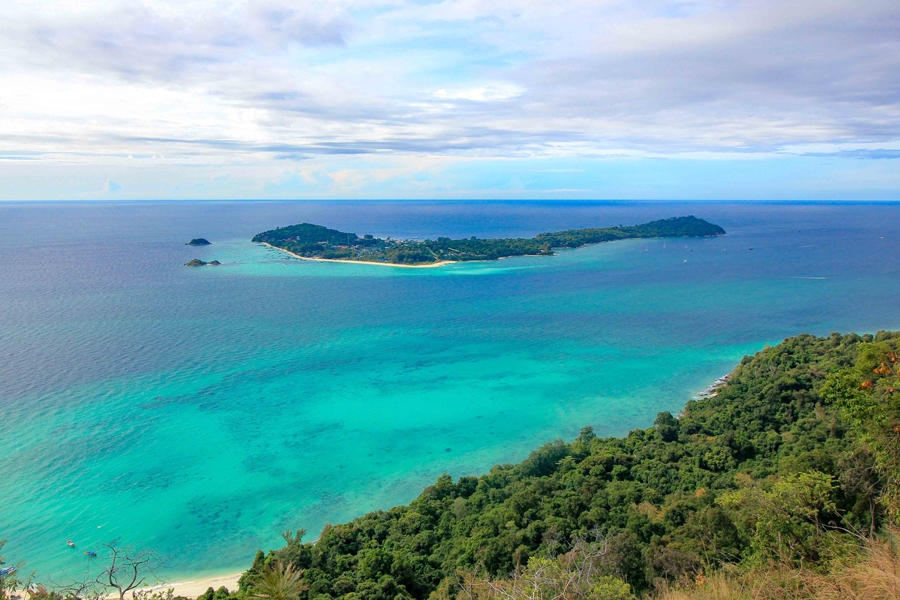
{"x":203,"y":411}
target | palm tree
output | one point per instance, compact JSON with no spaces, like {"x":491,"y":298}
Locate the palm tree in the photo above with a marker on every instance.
{"x":279,"y":582}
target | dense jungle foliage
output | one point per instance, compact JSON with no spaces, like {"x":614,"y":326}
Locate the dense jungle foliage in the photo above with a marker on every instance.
{"x":309,"y":234}
{"x":315,"y":241}
{"x":787,"y":464}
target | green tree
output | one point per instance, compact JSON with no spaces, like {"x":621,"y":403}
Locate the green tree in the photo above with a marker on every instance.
{"x":869,"y":397}
{"x":789,"y":517}
{"x":279,"y":582}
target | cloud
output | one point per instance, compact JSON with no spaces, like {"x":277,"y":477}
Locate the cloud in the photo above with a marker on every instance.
{"x":111,"y":186}
{"x":486,"y":93}
{"x":254,"y":83}
{"x":161,"y":40}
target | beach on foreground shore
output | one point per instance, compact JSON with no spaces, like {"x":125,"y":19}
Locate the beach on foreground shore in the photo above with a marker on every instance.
{"x":191,"y":588}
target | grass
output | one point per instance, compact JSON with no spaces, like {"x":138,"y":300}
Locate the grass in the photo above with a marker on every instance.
{"x":873,"y":575}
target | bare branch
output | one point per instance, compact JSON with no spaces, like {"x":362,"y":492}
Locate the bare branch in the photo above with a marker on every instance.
{"x":127,"y":568}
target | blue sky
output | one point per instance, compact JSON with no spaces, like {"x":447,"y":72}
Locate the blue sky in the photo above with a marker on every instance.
{"x":161,"y":99}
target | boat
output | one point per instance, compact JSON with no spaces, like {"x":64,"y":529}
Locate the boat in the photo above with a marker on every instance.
{"x":70,"y":543}
{"x":8,"y":571}
{"x":91,"y":554}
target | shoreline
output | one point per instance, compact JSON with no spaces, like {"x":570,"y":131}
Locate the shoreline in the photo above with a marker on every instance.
{"x":453,"y":262}
{"x":363,"y":262}
{"x":387,"y":264}
{"x":193,"y":587}
{"x":712,"y":390}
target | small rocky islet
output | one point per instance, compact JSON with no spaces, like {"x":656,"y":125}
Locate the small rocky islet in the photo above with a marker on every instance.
{"x":197,"y":262}
{"x":201,"y":263}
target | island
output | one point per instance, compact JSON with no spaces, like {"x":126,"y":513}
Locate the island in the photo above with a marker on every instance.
{"x":198,"y":242}
{"x":201,"y":263}
{"x":315,"y":242}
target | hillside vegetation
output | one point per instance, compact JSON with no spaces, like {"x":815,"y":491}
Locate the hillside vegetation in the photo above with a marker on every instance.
{"x":787,"y":469}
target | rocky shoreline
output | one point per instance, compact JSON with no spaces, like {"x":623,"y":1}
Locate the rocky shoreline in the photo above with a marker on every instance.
{"x":713,"y":388}
{"x":201,"y":263}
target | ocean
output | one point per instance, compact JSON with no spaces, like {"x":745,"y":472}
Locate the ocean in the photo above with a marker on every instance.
{"x":203,"y":411}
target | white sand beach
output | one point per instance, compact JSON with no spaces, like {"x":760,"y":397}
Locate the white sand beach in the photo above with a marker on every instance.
{"x":191,"y":588}
{"x":364,"y":262}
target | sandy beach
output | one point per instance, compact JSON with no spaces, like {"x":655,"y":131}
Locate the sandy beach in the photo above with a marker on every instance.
{"x":191,"y":588}
{"x":364,"y":262}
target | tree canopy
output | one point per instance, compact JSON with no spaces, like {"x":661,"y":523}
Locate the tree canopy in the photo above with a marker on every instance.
{"x":770,"y":467}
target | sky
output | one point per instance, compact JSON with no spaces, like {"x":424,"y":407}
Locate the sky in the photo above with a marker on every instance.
{"x":457,"y":99}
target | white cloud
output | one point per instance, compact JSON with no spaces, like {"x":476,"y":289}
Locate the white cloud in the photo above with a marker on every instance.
{"x":485,"y":93}
{"x":225,"y":84}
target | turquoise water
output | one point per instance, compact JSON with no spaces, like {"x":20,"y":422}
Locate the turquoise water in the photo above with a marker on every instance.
{"x":203,"y":411}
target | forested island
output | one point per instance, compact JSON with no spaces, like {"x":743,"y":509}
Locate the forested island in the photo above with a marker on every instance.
{"x":317,"y":242}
